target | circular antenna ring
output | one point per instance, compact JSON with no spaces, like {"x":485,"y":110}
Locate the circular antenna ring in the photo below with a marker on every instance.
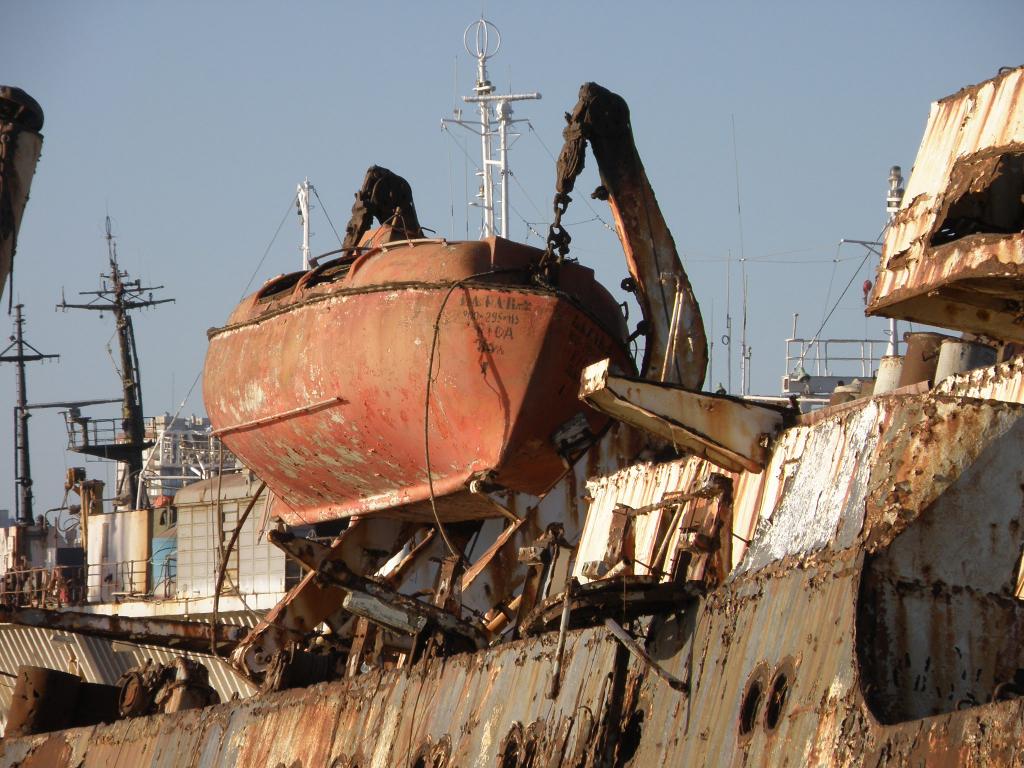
{"x":482,"y":33}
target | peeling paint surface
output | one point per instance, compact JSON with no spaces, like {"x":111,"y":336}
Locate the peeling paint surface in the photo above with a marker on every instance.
{"x":793,"y":619}
{"x":954,"y":255}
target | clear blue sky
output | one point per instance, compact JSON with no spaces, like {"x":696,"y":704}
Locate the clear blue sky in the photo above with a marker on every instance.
{"x":192,"y":122}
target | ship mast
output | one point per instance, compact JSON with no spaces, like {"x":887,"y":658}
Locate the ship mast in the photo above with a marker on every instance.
{"x":302,"y":203}
{"x":119,"y":298}
{"x":23,"y":469}
{"x":892,"y":207}
{"x":494,"y":123}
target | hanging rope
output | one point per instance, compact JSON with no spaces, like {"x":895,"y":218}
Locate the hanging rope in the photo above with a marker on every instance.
{"x":270,"y":245}
{"x":426,"y":399}
{"x":222,"y":570}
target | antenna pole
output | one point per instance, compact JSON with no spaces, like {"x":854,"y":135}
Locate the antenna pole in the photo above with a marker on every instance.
{"x":744,"y":350}
{"x":23,"y":513}
{"x":119,"y":298}
{"x":892,"y":206}
{"x":727,"y":340}
{"x":302,"y":201}
{"x":495,"y":121}
{"x":483,"y":87}
{"x":504,"y":112}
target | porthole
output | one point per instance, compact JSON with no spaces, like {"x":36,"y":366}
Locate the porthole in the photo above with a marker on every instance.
{"x":752,"y":702}
{"x":777,"y":694}
{"x":750,"y":705}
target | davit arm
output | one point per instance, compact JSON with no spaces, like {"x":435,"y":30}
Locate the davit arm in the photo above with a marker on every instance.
{"x":676,"y":350}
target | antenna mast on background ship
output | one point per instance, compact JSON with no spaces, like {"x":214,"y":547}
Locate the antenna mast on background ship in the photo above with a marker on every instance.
{"x":23,"y":469}
{"x":892,"y":206}
{"x":119,"y":299}
{"x":495,"y":121}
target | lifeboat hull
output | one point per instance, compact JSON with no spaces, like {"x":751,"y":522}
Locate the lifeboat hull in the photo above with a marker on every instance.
{"x":324,"y":393}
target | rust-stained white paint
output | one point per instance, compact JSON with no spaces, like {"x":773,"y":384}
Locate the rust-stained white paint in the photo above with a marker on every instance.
{"x":987,"y":116}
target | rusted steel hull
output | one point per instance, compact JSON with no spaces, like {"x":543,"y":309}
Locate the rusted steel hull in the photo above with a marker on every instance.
{"x":326,"y":396}
{"x":476,"y":708}
{"x":861,"y":613}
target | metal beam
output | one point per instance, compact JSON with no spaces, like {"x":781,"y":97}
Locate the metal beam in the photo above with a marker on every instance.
{"x":730,"y":432}
{"x":374,"y":601}
{"x":166,"y":633}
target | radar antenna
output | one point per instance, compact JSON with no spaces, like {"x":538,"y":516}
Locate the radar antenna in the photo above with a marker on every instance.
{"x":482,"y":40}
{"x":120,"y":297}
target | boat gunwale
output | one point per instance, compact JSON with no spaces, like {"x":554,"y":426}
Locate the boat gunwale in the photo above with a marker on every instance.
{"x":307,"y":301}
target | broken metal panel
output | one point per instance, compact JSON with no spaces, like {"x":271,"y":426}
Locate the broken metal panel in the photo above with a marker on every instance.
{"x":732,"y":433}
{"x":954,"y":256}
{"x":637,"y":487}
{"x":835,"y":454}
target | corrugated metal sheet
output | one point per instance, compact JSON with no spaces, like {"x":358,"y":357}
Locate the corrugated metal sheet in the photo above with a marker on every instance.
{"x":635,"y":487}
{"x":257,"y":565}
{"x":98,"y":660}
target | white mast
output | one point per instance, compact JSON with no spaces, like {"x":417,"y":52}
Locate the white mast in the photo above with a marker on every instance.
{"x":302,"y":203}
{"x":495,"y":120}
{"x":892,"y":205}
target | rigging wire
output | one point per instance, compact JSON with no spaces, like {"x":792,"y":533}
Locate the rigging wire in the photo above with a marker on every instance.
{"x":831,"y":279}
{"x":426,"y":399}
{"x":586,"y":199}
{"x":522,"y":218}
{"x":270,"y":245}
{"x":525,"y":194}
{"x":835,"y":306}
{"x":326,"y":214}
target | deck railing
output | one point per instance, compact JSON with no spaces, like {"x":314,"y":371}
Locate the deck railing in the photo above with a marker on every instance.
{"x":70,"y":585}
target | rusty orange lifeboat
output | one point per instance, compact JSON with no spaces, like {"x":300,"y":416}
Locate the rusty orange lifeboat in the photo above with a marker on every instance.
{"x":336,"y":384}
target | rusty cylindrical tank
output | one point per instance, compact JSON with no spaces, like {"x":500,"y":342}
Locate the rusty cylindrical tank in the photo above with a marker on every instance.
{"x":921,"y":358}
{"x":43,"y":700}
